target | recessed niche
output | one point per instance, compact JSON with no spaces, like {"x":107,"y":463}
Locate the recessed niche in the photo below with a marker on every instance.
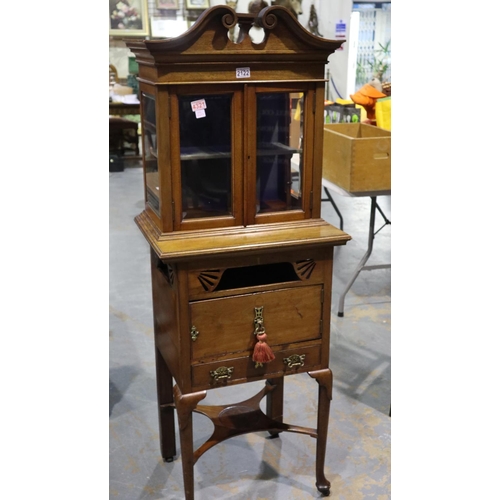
{"x":267,"y":274}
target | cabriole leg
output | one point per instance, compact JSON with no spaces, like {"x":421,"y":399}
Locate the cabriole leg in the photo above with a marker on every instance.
{"x":185,"y":404}
{"x":324,"y":379}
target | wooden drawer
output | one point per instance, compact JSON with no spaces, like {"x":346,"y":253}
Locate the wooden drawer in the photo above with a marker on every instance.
{"x":226,"y":325}
{"x":242,"y":369}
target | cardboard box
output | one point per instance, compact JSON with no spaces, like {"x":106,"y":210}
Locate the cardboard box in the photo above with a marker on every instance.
{"x":357,"y":157}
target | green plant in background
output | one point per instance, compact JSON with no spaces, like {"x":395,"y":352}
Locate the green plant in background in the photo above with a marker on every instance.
{"x":378,"y":67}
{"x":361,"y":77}
{"x":381,"y":61}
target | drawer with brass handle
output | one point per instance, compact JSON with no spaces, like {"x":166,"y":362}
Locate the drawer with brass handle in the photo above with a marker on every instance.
{"x":227,"y":325}
{"x":242,"y":369}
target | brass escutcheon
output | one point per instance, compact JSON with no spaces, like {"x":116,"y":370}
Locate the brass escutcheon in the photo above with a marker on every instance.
{"x":223,"y":372}
{"x":259,"y":321}
{"x":295,"y":360}
{"x":194,"y":333}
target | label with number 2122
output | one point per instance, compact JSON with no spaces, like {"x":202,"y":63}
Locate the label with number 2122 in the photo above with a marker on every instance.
{"x":242,"y":72}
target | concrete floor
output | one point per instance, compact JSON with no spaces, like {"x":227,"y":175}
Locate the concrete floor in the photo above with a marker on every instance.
{"x":252,"y":467}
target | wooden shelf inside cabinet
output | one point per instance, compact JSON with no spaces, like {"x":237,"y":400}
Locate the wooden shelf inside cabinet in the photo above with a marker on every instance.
{"x":197,"y":153}
{"x":241,"y":261}
{"x":277,"y":149}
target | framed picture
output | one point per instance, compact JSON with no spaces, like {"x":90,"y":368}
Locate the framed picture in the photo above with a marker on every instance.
{"x":128,"y":18}
{"x":167,"y":4}
{"x":197,"y":4}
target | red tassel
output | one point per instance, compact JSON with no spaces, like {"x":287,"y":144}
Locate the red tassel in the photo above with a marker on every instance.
{"x":262,"y":353}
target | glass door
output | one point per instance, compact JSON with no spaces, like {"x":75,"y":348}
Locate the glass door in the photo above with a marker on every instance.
{"x":150,"y":148}
{"x":279,"y":152}
{"x":207,"y":159}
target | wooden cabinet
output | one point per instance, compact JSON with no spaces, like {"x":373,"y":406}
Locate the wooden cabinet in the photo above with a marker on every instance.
{"x":241,"y":260}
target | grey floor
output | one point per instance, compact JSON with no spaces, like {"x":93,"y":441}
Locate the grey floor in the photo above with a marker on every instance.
{"x":251,"y":466}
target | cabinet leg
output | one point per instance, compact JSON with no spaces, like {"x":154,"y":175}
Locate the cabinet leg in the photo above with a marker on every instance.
{"x":185,"y":404}
{"x":274,"y":402}
{"x":164,"y":387}
{"x":324,"y":379}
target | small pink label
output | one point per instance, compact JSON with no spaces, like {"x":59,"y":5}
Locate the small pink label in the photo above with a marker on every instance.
{"x":199,"y":104}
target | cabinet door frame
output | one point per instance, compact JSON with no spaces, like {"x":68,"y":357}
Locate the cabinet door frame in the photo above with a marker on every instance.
{"x":250,"y":153}
{"x":150,"y":92}
{"x":236,"y":218}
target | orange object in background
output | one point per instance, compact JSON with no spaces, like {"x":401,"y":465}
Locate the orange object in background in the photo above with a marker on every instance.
{"x":367,"y":96}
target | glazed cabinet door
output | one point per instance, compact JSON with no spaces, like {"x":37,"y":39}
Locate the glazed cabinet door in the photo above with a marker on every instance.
{"x":279,"y":149}
{"x":150,"y":151}
{"x":206,"y":156}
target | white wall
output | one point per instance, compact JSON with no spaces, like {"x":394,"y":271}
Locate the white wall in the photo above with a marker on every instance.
{"x":118,"y":57}
{"x":329,"y":13}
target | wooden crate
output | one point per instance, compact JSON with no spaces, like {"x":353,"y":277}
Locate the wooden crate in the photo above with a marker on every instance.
{"x":357,"y":157}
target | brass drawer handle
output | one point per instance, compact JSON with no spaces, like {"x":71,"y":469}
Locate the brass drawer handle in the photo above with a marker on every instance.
{"x":295,"y":360}
{"x":223,"y":372}
{"x":194,"y":333}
